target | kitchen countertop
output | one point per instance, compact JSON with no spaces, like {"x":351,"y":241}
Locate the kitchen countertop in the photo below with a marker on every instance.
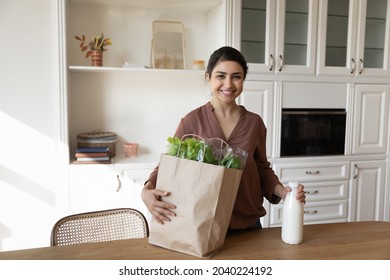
{"x":347,"y":241}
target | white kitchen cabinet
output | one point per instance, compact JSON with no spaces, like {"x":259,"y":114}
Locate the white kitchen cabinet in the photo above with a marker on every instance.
{"x":367,"y":190}
{"x":371,"y":119}
{"x":102,"y":186}
{"x":96,"y":187}
{"x":326,"y":186}
{"x":361,"y":45}
{"x":276,"y":36}
{"x":257,"y":97}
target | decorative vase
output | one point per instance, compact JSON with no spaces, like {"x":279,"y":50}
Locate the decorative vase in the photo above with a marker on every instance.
{"x":97,"y":58}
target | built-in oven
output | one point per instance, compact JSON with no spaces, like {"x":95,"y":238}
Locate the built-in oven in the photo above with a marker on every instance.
{"x":313,"y":132}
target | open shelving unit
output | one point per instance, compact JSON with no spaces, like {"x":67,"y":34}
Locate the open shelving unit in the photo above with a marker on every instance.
{"x":126,"y":96}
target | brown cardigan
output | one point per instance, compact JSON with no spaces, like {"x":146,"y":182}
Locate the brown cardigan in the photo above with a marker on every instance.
{"x":258,"y":179}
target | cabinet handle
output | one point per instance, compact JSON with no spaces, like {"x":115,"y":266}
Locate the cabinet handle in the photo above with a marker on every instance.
{"x":310,"y":212}
{"x":272,"y":62}
{"x":356,"y":171}
{"x":311,"y":192}
{"x":361,"y":66}
{"x":281,"y":63}
{"x":313,"y":172}
{"x":353,"y":65}
{"x":118,"y":188}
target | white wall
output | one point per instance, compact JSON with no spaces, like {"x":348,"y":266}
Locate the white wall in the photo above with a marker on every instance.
{"x":33,"y":187}
{"x":34,"y":191}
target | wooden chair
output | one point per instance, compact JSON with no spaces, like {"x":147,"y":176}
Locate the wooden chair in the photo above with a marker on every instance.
{"x":99,"y":226}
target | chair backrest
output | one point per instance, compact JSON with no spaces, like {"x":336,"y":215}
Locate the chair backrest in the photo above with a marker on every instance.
{"x":99,"y":226}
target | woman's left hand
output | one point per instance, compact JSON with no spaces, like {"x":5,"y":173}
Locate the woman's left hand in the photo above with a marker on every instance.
{"x":282,"y":192}
{"x":301,"y":196}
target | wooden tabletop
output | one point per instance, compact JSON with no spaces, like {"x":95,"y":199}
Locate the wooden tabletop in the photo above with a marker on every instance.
{"x":355,"y":240}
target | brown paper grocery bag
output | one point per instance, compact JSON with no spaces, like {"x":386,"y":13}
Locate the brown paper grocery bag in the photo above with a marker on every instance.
{"x":204,"y":195}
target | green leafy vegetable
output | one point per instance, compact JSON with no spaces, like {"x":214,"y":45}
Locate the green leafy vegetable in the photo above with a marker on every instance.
{"x":231,"y":162}
{"x":196,"y":149}
{"x":173,"y":146}
{"x":209,"y":155}
{"x":193,"y":149}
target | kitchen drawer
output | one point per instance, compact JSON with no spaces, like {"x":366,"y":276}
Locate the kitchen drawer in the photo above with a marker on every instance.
{"x":325,"y":191}
{"x":315,"y":212}
{"x":312,"y":171}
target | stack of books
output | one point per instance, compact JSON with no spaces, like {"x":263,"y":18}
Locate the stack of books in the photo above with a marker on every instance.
{"x":89,"y":155}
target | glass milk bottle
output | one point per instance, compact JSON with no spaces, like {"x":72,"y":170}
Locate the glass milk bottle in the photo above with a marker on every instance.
{"x":292,"y":217}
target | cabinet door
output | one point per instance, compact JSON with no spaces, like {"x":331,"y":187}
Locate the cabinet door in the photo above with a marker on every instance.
{"x":97,"y":187}
{"x":257,"y":97}
{"x":296,"y":31}
{"x":367,"y":191}
{"x":370,"y":128}
{"x":254,"y":28}
{"x":361,"y":44}
{"x":277,"y":36}
{"x":373,"y":38}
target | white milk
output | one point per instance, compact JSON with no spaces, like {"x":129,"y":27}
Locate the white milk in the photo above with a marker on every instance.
{"x":292,"y":217}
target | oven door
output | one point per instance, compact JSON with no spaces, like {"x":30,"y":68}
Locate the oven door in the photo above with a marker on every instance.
{"x":313,"y":132}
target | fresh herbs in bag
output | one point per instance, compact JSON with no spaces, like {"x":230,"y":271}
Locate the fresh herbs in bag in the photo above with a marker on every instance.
{"x":214,"y":151}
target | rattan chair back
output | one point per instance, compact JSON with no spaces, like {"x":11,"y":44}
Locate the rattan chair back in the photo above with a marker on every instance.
{"x":99,"y":226}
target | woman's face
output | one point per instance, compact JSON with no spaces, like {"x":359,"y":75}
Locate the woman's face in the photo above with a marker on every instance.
{"x":226,"y":81}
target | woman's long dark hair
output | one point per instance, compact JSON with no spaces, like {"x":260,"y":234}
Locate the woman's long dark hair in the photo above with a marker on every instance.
{"x":226,"y":54}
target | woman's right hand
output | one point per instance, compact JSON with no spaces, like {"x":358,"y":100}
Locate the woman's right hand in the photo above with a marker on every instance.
{"x":161,"y":211}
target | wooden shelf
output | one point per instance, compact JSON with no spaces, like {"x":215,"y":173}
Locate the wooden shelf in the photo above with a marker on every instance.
{"x":197,"y":5}
{"x":93,"y":69}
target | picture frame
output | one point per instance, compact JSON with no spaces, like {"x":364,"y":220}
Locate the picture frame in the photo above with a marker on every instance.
{"x":168,"y":45}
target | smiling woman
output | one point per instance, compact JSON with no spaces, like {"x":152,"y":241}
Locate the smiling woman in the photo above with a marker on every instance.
{"x":223,"y":118}
{"x":226,"y":83}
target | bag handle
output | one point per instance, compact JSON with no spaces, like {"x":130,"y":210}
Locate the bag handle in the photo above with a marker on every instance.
{"x":223,"y":143}
{"x":192,"y":136}
{"x":200,"y":154}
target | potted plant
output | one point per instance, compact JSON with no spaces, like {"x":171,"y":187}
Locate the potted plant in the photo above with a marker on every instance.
{"x":96,"y":47}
